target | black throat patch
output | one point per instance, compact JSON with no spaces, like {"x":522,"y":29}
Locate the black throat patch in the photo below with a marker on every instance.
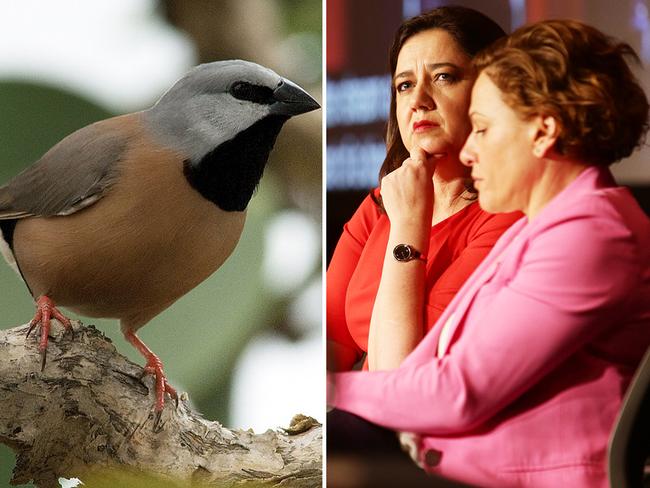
{"x":229,"y":174}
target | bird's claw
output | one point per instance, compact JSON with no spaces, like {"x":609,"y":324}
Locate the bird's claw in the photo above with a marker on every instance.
{"x":43,"y":358}
{"x":45,"y":311}
{"x":32,"y":325}
{"x":155,"y":369}
{"x":156,"y":420}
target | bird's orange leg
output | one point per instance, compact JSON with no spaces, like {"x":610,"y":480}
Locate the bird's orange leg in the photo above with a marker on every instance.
{"x":45,"y":311}
{"x":155,"y":367}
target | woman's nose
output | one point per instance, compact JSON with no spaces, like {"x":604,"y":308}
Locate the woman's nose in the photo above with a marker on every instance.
{"x":422,"y":98}
{"x":467,"y":153}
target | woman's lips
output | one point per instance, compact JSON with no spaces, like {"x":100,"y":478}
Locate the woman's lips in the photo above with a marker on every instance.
{"x":423,"y":125}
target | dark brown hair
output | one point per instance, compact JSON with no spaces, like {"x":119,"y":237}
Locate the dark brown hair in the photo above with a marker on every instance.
{"x":578,"y":75}
{"x":471,"y":29}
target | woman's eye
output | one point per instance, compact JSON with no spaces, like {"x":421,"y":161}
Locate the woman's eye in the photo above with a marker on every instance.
{"x":479,"y":131}
{"x":404,"y":85}
{"x":445,"y":77}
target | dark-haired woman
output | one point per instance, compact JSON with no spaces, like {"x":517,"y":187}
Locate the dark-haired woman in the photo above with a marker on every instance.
{"x":519,"y":382}
{"x":390,"y":278}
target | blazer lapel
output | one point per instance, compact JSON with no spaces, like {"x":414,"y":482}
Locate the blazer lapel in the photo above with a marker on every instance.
{"x":457,"y":309}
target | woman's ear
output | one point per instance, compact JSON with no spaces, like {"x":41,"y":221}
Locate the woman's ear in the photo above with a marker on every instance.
{"x":547,"y":131}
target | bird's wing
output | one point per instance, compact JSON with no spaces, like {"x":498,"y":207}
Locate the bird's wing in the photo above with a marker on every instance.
{"x":72,"y":175}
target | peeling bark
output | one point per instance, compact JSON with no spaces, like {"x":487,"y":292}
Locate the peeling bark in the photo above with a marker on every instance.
{"x":89,"y":409}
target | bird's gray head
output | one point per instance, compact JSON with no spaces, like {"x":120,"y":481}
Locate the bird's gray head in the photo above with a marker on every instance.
{"x":214,"y":102}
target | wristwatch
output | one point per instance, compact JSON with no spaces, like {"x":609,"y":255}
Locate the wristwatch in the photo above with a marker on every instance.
{"x":406,"y":252}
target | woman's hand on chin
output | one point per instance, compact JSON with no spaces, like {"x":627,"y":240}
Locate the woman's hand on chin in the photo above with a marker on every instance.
{"x":407,"y":192}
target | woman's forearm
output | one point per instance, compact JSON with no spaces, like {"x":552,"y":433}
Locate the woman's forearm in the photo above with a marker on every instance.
{"x":396,"y":325}
{"x":396,"y":322}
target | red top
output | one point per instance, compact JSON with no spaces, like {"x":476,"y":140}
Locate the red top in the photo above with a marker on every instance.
{"x":456,"y":247}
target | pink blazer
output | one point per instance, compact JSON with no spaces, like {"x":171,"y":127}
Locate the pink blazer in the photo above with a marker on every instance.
{"x":543,"y":340}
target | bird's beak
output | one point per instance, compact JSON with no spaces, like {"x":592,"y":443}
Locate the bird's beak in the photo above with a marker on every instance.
{"x":292,"y":100}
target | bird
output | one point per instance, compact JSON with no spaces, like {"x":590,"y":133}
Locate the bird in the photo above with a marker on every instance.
{"x":126,"y":215}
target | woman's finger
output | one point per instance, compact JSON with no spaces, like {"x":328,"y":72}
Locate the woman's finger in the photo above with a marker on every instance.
{"x":417,"y":154}
{"x":426,"y":159}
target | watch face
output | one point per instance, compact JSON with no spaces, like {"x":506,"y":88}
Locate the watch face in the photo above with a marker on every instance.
{"x":402,"y":252}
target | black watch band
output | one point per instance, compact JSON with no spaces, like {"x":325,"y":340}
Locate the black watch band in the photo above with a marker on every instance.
{"x":406,"y":252}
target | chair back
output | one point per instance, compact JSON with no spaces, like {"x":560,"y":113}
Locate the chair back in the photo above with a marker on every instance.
{"x":629,"y":444}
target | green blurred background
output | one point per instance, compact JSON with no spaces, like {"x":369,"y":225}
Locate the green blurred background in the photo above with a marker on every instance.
{"x":259,"y":315}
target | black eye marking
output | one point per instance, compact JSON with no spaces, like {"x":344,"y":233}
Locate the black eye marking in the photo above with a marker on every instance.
{"x":243,"y":90}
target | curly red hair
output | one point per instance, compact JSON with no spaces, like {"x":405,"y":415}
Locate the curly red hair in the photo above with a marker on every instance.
{"x":578,"y":75}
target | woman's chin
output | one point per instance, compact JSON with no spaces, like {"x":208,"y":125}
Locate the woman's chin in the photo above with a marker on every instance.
{"x":491,"y":205}
{"x":431,"y":145}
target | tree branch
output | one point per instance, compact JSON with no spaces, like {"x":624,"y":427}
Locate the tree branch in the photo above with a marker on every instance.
{"x":89,"y":410}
